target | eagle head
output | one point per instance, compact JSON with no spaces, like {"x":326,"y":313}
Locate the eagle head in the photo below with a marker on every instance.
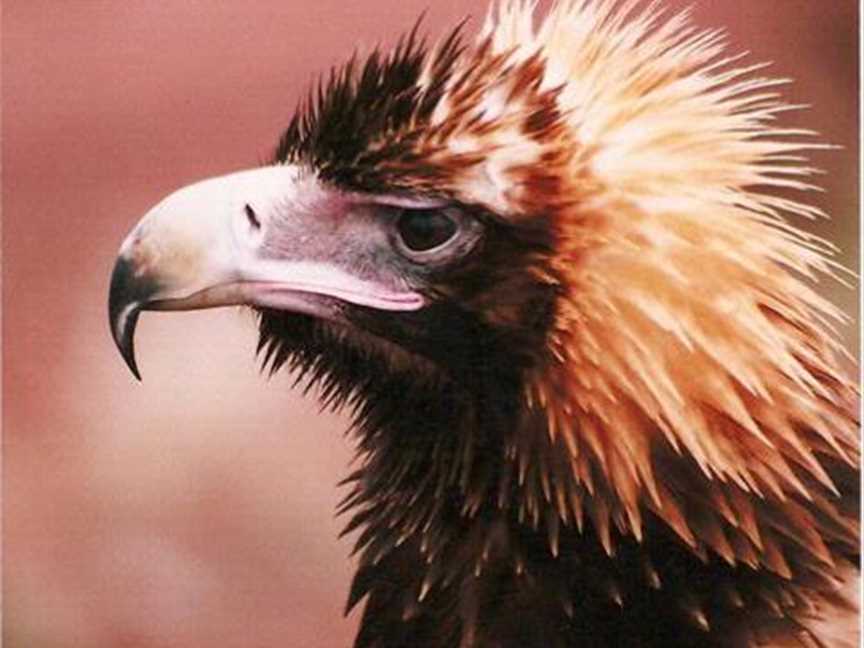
{"x":552,"y":274}
{"x":385,"y":221}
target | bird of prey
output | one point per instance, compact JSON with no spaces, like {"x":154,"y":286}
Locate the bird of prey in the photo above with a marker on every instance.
{"x":551,"y":272}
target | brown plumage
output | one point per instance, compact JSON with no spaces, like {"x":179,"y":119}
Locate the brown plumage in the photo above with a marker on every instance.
{"x":614,"y":412}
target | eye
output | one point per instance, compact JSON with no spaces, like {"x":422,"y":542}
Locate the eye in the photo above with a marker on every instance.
{"x":422,"y":230}
{"x":434,"y":236}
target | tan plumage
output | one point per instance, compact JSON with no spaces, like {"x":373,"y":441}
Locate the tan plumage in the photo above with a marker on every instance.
{"x":685,"y":320}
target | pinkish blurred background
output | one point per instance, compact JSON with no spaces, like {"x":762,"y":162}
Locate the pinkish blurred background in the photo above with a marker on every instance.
{"x":196,"y":509}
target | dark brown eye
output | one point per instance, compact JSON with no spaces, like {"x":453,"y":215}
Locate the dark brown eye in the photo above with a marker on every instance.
{"x":425,"y":229}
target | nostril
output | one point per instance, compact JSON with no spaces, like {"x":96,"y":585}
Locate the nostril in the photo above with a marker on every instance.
{"x":252,"y":217}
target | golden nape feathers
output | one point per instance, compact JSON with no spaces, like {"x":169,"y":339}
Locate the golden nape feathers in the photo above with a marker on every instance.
{"x":556,"y":276}
{"x":686,"y":325}
{"x":684,"y":312}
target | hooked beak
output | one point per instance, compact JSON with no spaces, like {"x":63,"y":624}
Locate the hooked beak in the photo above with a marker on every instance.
{"x":125,"y":301}
{"x":267,"y":237}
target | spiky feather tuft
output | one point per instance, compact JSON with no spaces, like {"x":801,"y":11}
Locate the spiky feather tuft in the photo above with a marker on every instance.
{"x":682,"y":319}
{"x":683,"y":436}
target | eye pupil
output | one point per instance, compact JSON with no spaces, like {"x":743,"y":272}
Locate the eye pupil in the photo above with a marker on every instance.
{"x":425,"y":229}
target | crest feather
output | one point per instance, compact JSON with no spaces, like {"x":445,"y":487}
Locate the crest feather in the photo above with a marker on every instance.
{"x":686,"y":320}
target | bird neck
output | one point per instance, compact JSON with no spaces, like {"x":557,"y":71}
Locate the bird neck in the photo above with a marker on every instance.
{"x":473,"y":517}
{"x":430,"y":499}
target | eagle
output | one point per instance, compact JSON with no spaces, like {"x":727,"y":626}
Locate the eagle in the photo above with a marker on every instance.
{"x":553,"y":273}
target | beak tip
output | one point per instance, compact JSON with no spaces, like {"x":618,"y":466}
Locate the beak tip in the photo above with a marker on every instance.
{"x":124,"y":304}
{"x":123,"y":335}
{"x":133,"y":367}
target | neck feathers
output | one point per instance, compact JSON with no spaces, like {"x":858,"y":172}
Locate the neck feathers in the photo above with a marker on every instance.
{"x":691,"y":398}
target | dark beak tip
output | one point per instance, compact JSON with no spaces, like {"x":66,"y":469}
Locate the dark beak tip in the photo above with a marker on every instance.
{"x":126,"y":297}
{"x":133,"y":366}
{"x":123,"y":333}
